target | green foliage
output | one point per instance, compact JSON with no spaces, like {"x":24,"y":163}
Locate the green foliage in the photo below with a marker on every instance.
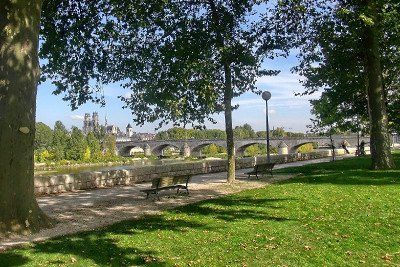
{"x":306,"y":148}
{"x":213,"y":150}
{"x":60,"y":141}
{"x":190,"y":47}
{"x":259,"y":149}
{"x":240,"y":132}
{"x":76,"y":147}
{"x":279,"y":132}
{"x":170,"y":152}
{"x":69,"y":148}
{"x":337,"y":213}
{"x":244,"y":132}
{"x":184,"y":61}
{"x":210,"y":150}
{"x":255,"y":150}
{"x":43,"y":136}
{"x":76,"y":44}
{"x":94,"y":146}
{"x":178,"y":133}
{"x":152,"y":47}
{"x":349,"y":50}
{"x":109,"y":146}
{"x":331,"y":38}
{"x":87,"y":155}
{"x":43,"y":155}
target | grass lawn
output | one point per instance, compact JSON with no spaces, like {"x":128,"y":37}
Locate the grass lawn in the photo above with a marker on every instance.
{"x":332,"y":214}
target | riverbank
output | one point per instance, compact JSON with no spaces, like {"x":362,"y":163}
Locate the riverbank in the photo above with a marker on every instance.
{"x":130,"y":175}
{"x":73,"y":167}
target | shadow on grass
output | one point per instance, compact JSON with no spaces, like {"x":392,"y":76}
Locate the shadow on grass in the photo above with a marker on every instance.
{"x":234,"y":208}
{"x":12,"y":259}
{"x":101,"y":250}
{"x":116,"y":245}
{"x":354,"y":171}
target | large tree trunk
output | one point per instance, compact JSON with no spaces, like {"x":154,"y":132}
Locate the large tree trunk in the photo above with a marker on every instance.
{"x":380,"y":140}
{"x":230,"y":145}
{"x":19,"y":73}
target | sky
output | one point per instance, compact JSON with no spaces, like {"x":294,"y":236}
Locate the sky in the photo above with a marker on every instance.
{"x":285,"y":109}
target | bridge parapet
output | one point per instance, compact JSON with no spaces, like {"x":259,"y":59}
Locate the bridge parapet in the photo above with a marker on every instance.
{"x":194,"y":145}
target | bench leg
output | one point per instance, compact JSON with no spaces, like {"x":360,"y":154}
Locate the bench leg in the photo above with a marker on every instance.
{"x":147,"y":195}
{"x":177,"y":191}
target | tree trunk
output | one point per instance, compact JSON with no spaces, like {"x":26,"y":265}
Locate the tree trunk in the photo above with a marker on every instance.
{"x":380,"y":141}
{"x":228,"y":95}
{"x":230,"y":145}
{"x":19,"y":73}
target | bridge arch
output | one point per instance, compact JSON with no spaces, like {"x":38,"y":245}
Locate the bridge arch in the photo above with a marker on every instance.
{"x":240,"y":150}
{"x":158,"y":150}
{"x":196,"y":151}
{"x":294,"y":148}
{"x":126,"y":150}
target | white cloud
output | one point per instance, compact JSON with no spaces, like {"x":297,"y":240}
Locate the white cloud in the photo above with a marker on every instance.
{"x":283,"y":85}
{"x":249,"y":102}
{"x":280,"y":79}
{"x":76,"y":117}
{"x":270,"y":111}
{"x":276,"y":102}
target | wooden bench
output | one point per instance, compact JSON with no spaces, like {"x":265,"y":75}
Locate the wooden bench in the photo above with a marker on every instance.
{"x":261,"y":169}
{"x":167,"y":183}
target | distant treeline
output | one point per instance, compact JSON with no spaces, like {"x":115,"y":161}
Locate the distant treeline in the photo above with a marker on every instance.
{"x":240,"y":132}
{"x":60,"y":145}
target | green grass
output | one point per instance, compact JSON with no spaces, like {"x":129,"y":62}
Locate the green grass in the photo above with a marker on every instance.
{"x":332,"y":214}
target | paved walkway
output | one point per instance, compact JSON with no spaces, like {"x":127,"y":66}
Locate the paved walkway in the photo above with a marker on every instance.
{"x":87,"y":210}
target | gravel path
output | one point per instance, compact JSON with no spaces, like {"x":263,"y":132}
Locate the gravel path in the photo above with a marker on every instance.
{"x":87,"y":210}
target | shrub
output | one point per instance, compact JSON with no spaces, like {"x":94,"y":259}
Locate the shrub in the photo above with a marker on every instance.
{"x":306,"y":148}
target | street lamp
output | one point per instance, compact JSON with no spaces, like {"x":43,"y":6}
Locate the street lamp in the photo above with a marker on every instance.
{"x":267,"y":96}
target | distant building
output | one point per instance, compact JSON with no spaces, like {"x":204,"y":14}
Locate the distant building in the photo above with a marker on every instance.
{"x":132,"y":135}
{"x":91,"y":124}
{"x":129,"y":131}
{"x":135,"y":136}
{"x":112,"y":129}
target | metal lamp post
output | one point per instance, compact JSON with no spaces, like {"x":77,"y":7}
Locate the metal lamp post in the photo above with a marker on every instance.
{"x":267,"y":96}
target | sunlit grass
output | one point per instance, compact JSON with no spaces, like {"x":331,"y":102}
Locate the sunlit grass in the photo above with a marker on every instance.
{"x":331,"y":214}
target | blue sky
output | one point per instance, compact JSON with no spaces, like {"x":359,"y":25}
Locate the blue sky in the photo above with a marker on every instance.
{"x":285,"y":109}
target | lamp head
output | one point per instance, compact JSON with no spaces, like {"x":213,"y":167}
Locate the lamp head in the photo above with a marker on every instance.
{"x":266,"y":95}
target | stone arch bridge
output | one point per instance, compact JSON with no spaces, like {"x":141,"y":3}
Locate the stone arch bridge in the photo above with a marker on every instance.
{"x":193,"y":146}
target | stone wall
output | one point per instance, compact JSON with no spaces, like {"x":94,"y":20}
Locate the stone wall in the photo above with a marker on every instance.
{"x":100,"y":179}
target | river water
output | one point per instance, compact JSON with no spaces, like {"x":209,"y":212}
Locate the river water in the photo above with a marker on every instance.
{"x":133,"y":164}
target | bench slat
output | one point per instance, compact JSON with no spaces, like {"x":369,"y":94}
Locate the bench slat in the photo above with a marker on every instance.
{"x":261,"y":169}
{"x":165,"y":183}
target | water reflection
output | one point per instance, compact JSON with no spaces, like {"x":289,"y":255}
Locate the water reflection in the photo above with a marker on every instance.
{"x":130,"y":165}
